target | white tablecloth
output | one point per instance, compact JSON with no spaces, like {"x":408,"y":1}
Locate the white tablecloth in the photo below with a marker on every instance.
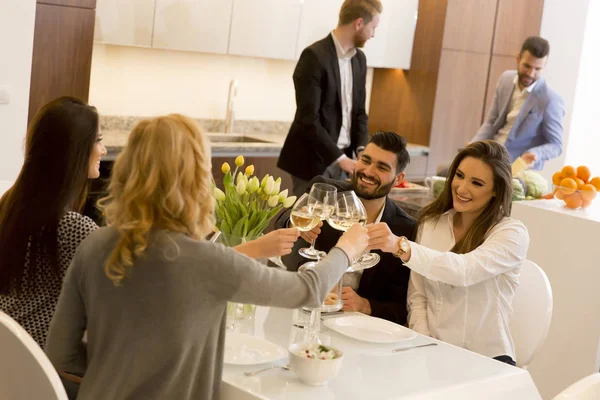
{"x":372,"y":371}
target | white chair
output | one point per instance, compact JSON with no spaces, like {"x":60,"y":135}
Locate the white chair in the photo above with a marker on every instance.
{"x":532,"y":313}
{"x":25,"y":371}
{"x":587,"y":388}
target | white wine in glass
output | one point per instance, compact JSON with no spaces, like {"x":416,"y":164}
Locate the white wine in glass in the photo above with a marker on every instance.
{"x":320,"y":204}
{"x":302,"y":217}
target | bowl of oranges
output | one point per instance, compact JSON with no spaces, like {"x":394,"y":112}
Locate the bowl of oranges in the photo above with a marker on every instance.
{"x":575,"y":186}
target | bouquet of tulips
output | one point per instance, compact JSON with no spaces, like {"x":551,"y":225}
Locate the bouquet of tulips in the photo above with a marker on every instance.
{"x":248,"y":204}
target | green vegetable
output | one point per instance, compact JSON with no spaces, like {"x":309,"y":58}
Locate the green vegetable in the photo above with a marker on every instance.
{"x":518,"y":190}
{"x":536,"y":185}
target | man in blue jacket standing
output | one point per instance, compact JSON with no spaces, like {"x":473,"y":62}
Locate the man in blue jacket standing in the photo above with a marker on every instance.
{"x":526,"y":114}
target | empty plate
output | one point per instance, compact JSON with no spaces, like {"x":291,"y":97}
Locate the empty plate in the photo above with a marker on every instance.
{"x":370,"y":329}
{"x":241,"y":349}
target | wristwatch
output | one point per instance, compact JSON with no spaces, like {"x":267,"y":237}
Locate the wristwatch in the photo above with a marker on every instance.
{"x":403,"y":247}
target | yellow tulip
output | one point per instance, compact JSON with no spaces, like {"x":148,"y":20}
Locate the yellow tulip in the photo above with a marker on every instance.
{"x":225,"y":168}
{"x":250,"y":170}
{"x":239,"y":161}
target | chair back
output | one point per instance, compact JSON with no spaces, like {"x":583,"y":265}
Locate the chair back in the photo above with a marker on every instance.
{"x":532,"y":312}
{"x":25,"y":371}
{"x":587,"y":388}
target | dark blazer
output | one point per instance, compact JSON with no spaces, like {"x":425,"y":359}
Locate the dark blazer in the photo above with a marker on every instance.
{"x":311,"y":144}
{"x":384,"y":285}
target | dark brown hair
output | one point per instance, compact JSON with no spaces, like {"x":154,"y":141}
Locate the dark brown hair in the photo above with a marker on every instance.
{"x":495,"y":155}
{"x":391,"y":141}
{"x":536,"y":46}
{"x":53,"y":179}
{"x":351,"y":10}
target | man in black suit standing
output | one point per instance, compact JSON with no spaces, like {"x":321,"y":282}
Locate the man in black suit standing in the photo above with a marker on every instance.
{"x":330,"y":125}
{"x":379,"y":291}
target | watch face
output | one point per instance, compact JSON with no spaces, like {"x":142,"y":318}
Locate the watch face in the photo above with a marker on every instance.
{"x":404,"y":245}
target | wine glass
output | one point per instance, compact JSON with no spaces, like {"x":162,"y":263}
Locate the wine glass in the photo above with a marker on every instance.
{"x":320,"y":203}
{"x":348,"y":211}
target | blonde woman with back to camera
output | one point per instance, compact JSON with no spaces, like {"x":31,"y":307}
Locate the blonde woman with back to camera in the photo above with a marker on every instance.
{"x":148,"y":289}
{"x":465,"y":269}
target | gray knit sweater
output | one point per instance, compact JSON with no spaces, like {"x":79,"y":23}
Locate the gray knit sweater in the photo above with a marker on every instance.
{"x":160,"y":335}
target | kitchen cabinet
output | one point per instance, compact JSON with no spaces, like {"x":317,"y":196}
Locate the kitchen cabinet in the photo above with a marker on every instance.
{"x":192,"y":25}
{"x":265,"y":28}
{"x":62,"y":54}
{"x":393,"y":42}
{"x":127,"y":23}
{"x":318,"y":19}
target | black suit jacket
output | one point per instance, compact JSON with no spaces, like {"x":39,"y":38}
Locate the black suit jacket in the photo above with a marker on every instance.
{"x":384,"y":285}
{"x":311,"y":144}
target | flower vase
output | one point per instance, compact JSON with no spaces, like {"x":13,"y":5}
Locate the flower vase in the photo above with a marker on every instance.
{"x":237,"y":311}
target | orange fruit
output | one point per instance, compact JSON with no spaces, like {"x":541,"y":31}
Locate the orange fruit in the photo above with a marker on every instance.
{"x":559,"y":194}
{"x":588,"y":192}
{"x":579,"y":182}
{"x":583,"y":173}
{"x":596,"y":182}
{"x":569,"y":171}
{"x":557,"y":178}
{"x":573,"y":200}
{"x":568,"y":185}
{"x":586,"y":203}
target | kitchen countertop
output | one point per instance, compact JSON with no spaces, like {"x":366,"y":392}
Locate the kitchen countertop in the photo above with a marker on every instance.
{"x":412,"y":203}
{"x":116,"y":139}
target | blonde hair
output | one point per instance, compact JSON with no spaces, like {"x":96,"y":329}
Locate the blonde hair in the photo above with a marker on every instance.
{"x":161,"y":180}
{"x":351,"y":10}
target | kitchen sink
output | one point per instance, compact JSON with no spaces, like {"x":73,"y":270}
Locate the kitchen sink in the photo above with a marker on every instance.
{"x":233,"y":138}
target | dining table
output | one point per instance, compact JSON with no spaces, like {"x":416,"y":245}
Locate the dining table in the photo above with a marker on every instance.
{"x":371,"y":370}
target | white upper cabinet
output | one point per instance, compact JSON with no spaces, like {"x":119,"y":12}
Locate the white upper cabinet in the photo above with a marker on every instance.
{"x":319,"y":18}
{"x":126,"y":23}
{"x":265,"y":28}
{"x":192,"y":25}
{"x":393,"y":42}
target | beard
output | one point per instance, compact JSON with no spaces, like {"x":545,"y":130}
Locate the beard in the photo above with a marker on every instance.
{"x":526,"y":81}
{"x":376,"y":192}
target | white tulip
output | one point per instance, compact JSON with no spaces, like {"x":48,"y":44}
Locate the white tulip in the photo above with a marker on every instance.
{"x":276,"y":188}
{"x":253,"y":185}
{"x":241,"y":187}
{"x":269,"y":186}
{"x":273,"y":201}
{"x":287,"y":203}
{"x":283,"y":196}
{"x":239,"y":177}
{"x":219,"y":194}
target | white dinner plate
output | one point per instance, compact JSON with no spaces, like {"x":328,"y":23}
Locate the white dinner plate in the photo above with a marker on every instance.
{"x":241,"y":349}
{"x":370,"y":329}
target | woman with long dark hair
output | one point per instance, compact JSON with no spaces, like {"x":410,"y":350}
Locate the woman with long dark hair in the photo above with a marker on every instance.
{"x":465,"y":269}
{"x":40,"y":221}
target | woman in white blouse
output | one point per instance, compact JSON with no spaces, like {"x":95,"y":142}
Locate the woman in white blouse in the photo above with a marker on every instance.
{"x":465,"y":269}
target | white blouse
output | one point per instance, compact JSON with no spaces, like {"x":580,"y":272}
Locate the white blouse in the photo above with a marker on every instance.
{"x":466,"y":299}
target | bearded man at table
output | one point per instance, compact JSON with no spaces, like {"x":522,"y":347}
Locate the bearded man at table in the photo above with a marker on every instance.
{"x":379,"y":291}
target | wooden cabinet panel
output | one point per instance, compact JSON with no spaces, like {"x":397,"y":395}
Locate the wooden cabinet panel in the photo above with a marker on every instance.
{"x":458,"y":104}
{"x":516,"y":20}
{"x":71,"y":3}
{"x":498,"y":65}
{"x":402,"y":101}
{"x":127,"y":23}
{"x":469,"y":25}
{"x":62,"y":54}
{"x":184,"y":25}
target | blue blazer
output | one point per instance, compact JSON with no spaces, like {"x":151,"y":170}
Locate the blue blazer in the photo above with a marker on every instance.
{"x":538,"y":128}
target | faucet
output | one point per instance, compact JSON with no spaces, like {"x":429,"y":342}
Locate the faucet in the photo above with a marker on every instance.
{"x":230,"y":113}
